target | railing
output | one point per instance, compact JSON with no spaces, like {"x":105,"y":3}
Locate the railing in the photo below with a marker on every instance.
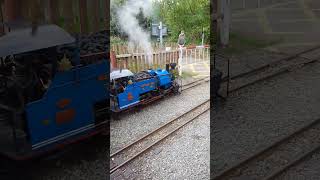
{"x":140,"y":61}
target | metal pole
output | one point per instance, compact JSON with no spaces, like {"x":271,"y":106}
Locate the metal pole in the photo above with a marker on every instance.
{"x":214,"y":28}
{"x":225,"y":25}
{"x":228,"y":77}
{"x":180,"y":61}
{"x":214,"y":61}
{"x":14,"y":132}
{"x":161,"y":34}
{"x":202,"y":37}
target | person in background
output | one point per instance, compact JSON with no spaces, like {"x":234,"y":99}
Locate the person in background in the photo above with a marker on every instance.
{"x":181,"y":40}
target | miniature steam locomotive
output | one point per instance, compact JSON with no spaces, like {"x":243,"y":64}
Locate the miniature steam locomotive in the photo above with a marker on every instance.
{"x":129,"y":90}
{"x":46,"y":99}
{"x":51,"y":96}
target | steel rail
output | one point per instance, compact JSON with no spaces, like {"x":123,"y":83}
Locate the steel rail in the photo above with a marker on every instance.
{"x":258,"y":69}
{"x":137,"y":141}
{"x":263,"y":151}
{"x":195,"y":83}
{"x":233,"y":168}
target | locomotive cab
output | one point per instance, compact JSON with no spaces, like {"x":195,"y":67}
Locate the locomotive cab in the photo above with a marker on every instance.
{"x":43,"y":92}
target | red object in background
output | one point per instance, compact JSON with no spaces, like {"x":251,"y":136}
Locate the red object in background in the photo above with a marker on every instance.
{"x":113,"y":60}
{"x":191,"y":47}
{"x":11,"y":10}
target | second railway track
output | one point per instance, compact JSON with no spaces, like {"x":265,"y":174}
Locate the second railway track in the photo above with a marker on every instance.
{"x":276,"y":158}
{"x":272,"y":161}
{"x":276,"y":68}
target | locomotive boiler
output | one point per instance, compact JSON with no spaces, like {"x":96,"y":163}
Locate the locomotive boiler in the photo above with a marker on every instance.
{"x":130,"y":90}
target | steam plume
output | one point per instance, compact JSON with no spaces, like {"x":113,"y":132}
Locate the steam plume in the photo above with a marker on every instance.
{"x":130,"y":25}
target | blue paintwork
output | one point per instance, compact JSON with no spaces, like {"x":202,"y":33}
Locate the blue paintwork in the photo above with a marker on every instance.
{"x":146,"y":85}
{"x":123,"y":98}
{"x":160,"y":79}
{"x":82,"y":87}
{"x":164,"y":76}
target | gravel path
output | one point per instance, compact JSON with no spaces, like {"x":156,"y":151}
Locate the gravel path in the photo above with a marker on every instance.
{"x":185,"y":155}
{"x":254,"y":117}
{"x":133,"y":125}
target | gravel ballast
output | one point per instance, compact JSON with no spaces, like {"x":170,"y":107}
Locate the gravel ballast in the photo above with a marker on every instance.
{"x":256,"y":116}
{"x":133,"y":125}
{"x":309,"y":169}
{"x":184,"y":155}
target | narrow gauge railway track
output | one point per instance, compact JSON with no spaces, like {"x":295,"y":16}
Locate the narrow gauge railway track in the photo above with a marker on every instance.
{"x":278,"y":157}
{"x":273,"y":64}
{"x":140,"y":146}
{"x":271,"y":70}
{"x":195,"y":83}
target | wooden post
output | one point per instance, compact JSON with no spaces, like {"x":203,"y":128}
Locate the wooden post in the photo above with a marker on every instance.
{"x":11,"y":11}
{"x":54,"y":11}
{"x":68,"y":16}
{"x":107,"y":10}
{"x":214,"y":24}
{"x":2,"y":20}
{"x":83,"y":16}
{"x":225,"y":24}
{"x":96,"y":15}
{"x":113,"y":60}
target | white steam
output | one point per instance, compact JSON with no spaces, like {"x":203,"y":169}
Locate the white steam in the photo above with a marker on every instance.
{"x":129,"y":24}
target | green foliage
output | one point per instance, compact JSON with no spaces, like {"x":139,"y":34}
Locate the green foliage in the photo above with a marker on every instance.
{"x":187,"y":15}
{"x":191,"y":16}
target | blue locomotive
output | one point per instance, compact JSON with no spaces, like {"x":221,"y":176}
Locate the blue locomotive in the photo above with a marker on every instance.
{"x":129,"y":90}
{"x":49,"y":97}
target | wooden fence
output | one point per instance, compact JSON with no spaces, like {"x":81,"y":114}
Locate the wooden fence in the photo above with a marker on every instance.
{"x":124,"y":48}
{"x":83,"y":16}
{"x":139,"y":61}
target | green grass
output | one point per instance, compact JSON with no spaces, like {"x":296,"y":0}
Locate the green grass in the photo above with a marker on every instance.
{"x":239,"y":44}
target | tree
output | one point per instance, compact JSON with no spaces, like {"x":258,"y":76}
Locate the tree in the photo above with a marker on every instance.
{"x":188,"y":15}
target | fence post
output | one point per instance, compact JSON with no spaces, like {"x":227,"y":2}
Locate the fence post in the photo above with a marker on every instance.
{"x":113,"y":59}
{"x":179,"y":62}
